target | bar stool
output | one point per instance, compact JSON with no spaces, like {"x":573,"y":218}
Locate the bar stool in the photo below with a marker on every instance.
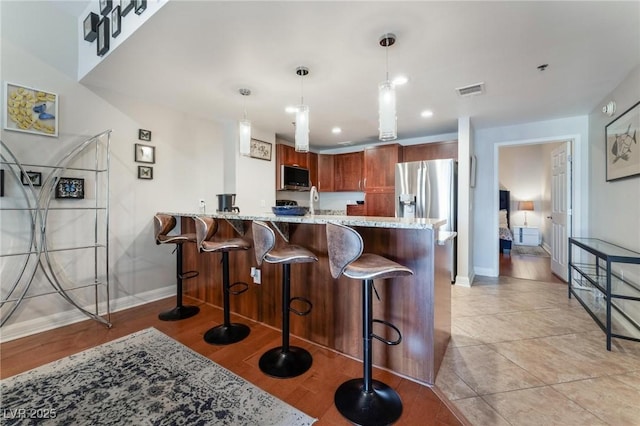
{"x":227,"y":332}
{"x":364,"y":401}
{"x":163,"y":224}
{"x":283,"y":361}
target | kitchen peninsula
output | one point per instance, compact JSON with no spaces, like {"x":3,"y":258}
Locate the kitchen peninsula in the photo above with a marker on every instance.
{"x":419,"y":305}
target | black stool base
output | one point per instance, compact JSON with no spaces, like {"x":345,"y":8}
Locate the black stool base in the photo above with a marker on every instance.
{"x":179,"y":313}
{"x":283,"y":365}
{"x":226,"y":334}
{"x":380,"y":407}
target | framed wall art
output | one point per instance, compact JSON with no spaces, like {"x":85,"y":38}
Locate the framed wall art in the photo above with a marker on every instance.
{"x":145,"y":172}
{"x":260,"y":150}
{"x":105,"y":6}
{"x":145,"y":153}
{"x":70,"y":188}
{"x":34,"y":177}
{"x":103,"y":36}
{"x":622,"y":148}
{"x":127,"y":6}
{"x":144,"y":135}
{"x":140,"y":6}
{"x":30,"y":110}
{"x":115,"y":22}
{"x":90,"y":27}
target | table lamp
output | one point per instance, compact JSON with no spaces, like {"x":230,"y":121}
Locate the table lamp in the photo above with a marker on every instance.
{"x":525,"y":206}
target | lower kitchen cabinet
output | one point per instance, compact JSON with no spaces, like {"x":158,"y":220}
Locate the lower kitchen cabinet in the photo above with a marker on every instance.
{"x":380,"y":203}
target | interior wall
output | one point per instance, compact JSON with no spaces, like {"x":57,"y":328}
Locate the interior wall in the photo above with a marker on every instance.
{"x":614,"y":210}
{"x":487,"y":141}
{"x":522,"y":172}
{"x":188,"y":165}
{"x":255,"y":178}
{"x":615,"y":205}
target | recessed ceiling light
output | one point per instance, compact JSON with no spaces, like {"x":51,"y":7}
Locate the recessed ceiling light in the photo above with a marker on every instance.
{"x":290,"y":110}
{"x":400,"y":80}
{"x":426,"y":113}
{"x":336,"y":130}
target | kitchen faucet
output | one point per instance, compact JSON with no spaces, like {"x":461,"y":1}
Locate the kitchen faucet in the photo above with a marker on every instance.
{"x":313,"y":196}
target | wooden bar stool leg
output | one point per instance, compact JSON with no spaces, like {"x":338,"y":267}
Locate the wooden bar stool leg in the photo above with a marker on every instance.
{"x":366,"y":401}
{"x":180,"y":311}
{"x":227,"y":332}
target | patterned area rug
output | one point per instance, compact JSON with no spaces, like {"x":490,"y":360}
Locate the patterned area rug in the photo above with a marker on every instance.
{"x":144,"y":378}
{"x":529,"y":251}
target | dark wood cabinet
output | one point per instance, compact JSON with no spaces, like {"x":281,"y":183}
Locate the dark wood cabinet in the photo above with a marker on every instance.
{"x":379,"y":178}
{"x":380,"y":203}
{"x":312,"y":161}
{"x":326,"y":173}
{"x":431,"y":151}
{"x":287,"y":155}
{"x":356,"y":210}
{"x":348,"y":171}
{"x":380,"y":167}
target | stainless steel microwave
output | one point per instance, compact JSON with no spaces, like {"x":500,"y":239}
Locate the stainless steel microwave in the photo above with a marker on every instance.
{"x":294,"y":178}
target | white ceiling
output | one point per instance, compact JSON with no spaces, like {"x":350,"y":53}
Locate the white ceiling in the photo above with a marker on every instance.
{"x":195,"y":55}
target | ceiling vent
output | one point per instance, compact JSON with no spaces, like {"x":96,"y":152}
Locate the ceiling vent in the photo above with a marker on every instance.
{"x":473,"y":89}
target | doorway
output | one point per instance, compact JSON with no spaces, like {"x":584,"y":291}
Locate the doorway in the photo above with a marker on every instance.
{"x":537,"y":176}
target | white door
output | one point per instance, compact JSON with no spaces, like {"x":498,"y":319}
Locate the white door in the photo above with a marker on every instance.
{"x":560,"y":208}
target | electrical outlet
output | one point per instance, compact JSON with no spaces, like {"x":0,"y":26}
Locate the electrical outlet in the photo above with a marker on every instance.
{"x":263,"y":203}
{"x":202,"y":205}
{"x":257,"y":276}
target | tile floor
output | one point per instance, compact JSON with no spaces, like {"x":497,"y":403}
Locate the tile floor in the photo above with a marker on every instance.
{"x":522,"y":353}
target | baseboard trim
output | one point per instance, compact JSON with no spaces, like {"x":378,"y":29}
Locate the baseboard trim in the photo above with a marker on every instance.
{"x":38,"y":325}
{"x":487,"y":272}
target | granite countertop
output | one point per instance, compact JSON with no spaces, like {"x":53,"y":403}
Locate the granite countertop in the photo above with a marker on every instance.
{"x":370,"y":221}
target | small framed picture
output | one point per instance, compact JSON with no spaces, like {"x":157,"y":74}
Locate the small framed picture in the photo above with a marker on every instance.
{"x":91,"y":27}
{"x":127,"y":6}
{"x":103,"y":36}
{"x":145,"y":154}
{"x":70,"y":188}
{"x":105,"y":7}
{"x":260,"y":150}
{"x":144,"y":135}
{"x":140,"y":6}
{"x":35,"y":178}
{"x":145,"y":172}
{"x":115,"y":22}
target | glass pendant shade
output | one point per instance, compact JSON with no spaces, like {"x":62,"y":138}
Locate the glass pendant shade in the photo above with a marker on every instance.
{"x":302,"y":128}
{"x":244,"y":133}
{"x":388,"y":123}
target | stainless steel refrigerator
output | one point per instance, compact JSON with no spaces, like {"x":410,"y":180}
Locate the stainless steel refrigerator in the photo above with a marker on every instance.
{"x":429,"y":189}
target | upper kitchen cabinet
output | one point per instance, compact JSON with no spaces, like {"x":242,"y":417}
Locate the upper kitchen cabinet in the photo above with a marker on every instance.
{"x":431,"y":151}
{"x":326,"y":173}
{"x":287,"y":155}
{"x":380,"y":167}
{"x":348,"y":171}
{"x":313,"y":168}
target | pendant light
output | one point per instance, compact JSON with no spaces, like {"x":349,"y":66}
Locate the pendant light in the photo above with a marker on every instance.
{"x":244,"y":127}
{"x":302,"y":116}
{"x":387,"y":119}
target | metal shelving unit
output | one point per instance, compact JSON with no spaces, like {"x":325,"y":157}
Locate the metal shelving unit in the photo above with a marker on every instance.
{"x":39,"y":204}
{"x":598,"y":282}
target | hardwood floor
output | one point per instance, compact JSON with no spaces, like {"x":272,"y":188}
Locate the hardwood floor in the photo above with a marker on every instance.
{"x":527,"y":267}
{"x":311,"y":392}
